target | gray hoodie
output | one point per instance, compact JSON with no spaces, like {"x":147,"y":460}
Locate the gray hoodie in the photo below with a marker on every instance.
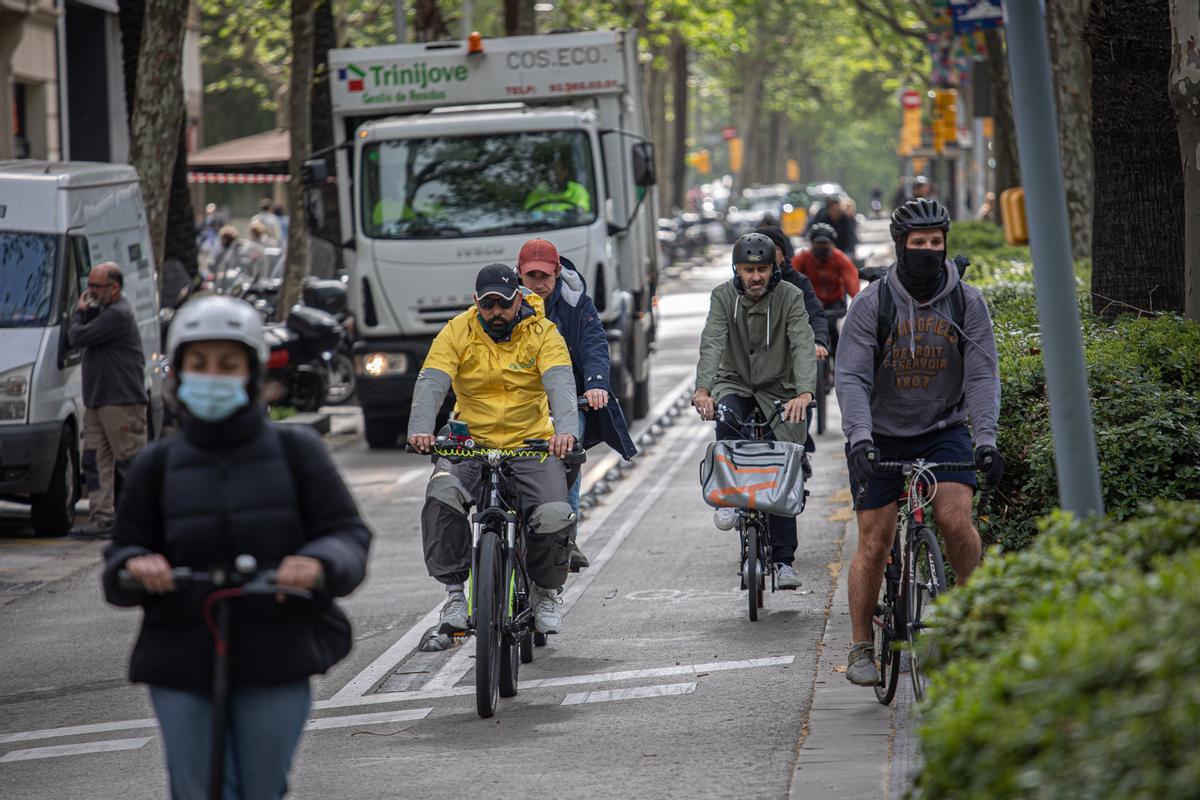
{"x":925,"y":383}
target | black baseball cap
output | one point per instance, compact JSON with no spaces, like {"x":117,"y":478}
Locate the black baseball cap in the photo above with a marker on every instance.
{"x":497,"y":279}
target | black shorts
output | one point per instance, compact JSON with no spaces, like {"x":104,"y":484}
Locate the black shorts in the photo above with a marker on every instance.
{"x":949,"y":445}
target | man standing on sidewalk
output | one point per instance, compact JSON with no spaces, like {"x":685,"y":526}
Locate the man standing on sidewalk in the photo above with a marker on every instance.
{"x":114,"y":387}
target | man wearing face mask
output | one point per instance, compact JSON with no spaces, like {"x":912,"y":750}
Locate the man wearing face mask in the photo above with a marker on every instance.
{"x":510,"y":371}
{"x":917,"y":361}
{"x":114,"y":388}
{"x":757,"y":348}
{"x":833,"y":275}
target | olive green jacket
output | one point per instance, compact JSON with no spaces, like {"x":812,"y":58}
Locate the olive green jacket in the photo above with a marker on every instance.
{"x":763,"y":350}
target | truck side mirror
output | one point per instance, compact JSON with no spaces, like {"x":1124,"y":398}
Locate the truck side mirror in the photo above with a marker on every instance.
{"x":314,"y":208}
{"x":643,"y":164}
{"x":315,"y":172}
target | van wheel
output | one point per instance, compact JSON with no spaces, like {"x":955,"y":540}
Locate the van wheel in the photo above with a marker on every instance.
{"x":382,"y":433}
{"x":641,"y":398}
{"x":54,"y":510}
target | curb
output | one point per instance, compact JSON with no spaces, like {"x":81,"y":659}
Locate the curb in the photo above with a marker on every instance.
{"x":321,"y":423}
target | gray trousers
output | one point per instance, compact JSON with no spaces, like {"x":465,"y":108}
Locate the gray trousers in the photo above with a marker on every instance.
{"x":541,"y":489}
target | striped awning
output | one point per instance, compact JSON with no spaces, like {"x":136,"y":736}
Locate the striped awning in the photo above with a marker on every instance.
{"x":235,"y":177}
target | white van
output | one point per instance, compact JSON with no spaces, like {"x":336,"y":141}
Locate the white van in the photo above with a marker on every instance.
{"x":57,"y":219}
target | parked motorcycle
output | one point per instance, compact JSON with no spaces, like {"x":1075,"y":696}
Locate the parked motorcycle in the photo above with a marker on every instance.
{"x":301,"y":360}
{"x":330,"y":296}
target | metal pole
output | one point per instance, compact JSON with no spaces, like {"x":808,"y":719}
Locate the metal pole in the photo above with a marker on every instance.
{"x":1053,"y":274}
{"x":401,"y":17}
{"x":468,"y":18}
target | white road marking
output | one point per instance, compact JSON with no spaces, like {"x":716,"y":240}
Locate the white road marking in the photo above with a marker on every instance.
{"x":688,"y":670}
{"x":412,"y":476}
{"x":59,"y":750}
{"x":363,"y":682}
{"x":329,"y":723}
{"x":636,"y":693}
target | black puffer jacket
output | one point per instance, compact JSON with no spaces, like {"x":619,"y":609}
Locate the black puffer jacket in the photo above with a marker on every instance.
{"x":215,"y":491}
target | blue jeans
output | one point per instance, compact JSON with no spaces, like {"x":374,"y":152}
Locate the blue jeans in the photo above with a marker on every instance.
{"x":265,"y":725}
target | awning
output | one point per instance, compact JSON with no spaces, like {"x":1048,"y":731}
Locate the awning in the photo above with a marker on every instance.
{"x":235,"y":177}
{"x":262,"y":153}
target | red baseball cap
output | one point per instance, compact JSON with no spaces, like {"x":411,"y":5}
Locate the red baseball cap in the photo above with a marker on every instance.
{"x":538,"y":254}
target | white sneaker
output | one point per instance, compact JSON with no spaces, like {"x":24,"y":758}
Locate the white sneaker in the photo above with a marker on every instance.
{"x":547,"y":610}
{"x":725,"y":518}
{"x":786,"y":577}
{"x":454,"y":614}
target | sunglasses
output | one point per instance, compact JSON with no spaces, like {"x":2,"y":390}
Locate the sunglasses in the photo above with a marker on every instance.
{"x":488,"y":303}
{"x":98,"y":285}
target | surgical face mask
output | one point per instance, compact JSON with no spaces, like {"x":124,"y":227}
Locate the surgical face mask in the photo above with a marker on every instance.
{"x":212,"y":398}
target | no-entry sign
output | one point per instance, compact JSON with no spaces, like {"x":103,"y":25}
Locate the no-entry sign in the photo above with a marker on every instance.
{"x":910,"y":99}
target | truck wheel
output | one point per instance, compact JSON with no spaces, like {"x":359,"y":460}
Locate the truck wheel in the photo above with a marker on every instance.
{"x":54,"y":509}
{"x":641,"y":398}
{"x":382,"y":433}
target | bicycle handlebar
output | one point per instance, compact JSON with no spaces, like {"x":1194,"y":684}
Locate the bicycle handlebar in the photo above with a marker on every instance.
{"x":462,"y":451}
{"x":906,"y":466}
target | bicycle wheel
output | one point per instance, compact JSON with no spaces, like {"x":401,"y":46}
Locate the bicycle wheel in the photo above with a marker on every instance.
{"x":886,"y":625}
{"x":489,"y":615}
{"x":924,"y":581}
{"x":510,"y":639}
{"x":752,"y":570}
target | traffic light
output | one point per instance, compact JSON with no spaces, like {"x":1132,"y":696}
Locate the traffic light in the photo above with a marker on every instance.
{"x":910,"y":133}
{"x":945,"y":118}
{"x":737,"y":152}
{"x":701,"y":161}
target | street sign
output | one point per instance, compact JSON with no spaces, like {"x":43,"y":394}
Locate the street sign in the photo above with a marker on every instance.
{"x":976,"y":15}
{"x":910,"y":99}
{"x":729,"y":133}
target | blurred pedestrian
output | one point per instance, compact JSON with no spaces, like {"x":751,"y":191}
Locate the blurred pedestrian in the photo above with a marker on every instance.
{"x":271,"y":222}
{"x":114,"y":388}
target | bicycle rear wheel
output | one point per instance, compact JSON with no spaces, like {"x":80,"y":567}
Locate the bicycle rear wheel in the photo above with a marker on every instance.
{"x":510,"y":640}
{"x":924,"y":581}
{"x":489,"y":615}
{"x":886,"y":627}
{"x":752,"y":570}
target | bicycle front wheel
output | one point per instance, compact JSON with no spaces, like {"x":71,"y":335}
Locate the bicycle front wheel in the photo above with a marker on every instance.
{"x":823,"y":387}
{"x":752,"y":571}
{"x":510,"y":639}
{"x":489,"y":616}
{"x":925,"y":579}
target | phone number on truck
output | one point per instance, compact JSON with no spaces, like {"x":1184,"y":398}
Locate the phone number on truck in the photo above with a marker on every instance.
{"x":585,"y":86}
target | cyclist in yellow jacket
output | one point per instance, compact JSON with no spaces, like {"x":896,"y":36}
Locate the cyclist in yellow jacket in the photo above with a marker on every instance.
{"x":510,"y":370}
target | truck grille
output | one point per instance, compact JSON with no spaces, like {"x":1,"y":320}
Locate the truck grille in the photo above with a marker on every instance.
{"x":440,"y":314}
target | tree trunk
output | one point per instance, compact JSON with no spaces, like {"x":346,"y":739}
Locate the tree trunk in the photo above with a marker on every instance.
{"x":158,"y":111}
{"x":300,"y":119}
{"x":656,"y":97}
{"x":1004,"y":144}
{"x":1185,"y":93}
{"x":749,"y":129}
{"x":428,"y":23}
{"x":1137,"y":231}
{"x":679,"y":103}
{"x":1072,"y":89}
{"x":324,"y":40}
{"x":519,"y":18}
{"x":181,"y":218}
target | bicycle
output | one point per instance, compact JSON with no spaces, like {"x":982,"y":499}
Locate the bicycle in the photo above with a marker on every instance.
{"x":754,"y":532}
{"x":500,"y":614}
{"x":915,"y":575}
{"x":825,"y":367}
{"x":243,"y":580}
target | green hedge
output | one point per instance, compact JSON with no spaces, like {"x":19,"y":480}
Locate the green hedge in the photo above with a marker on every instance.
{"x":1070,"y":670}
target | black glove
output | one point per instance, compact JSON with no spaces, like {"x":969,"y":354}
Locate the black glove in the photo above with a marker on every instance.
{"x":861,"y":462}
{"x":990,"y":463}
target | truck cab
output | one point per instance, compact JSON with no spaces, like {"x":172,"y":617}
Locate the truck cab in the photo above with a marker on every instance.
{"x":58,"y":219}
{"x":452,"y":159}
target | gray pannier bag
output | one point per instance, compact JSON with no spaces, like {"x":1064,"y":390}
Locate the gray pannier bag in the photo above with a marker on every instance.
{"x":754,"y":474}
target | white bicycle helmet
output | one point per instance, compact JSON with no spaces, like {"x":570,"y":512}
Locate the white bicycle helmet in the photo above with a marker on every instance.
{"x":219,"y":318}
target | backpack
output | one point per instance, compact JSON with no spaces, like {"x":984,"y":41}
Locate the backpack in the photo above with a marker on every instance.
{"x":885,"y":321}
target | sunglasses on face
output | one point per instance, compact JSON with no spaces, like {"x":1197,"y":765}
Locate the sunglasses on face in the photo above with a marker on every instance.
{"x":488,"y":303}
{"x":98,"y":285}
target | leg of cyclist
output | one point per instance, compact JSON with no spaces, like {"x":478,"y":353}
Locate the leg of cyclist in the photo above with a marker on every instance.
{"x":265,"y":728}
{"x":743,"y":407}
{"x":876,"y":527}
{"x":542,"y":487}
{"x":783,"y":549}
{"x":446,"y":535}
{"x":574,"y":481}
{"x":952,"y":510}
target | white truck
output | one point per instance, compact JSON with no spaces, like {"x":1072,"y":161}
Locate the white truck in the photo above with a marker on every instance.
{"x":452,"y":155}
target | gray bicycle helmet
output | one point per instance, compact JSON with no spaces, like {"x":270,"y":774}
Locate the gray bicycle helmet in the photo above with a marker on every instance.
{"x":218,"y":318}
{"x":824,"y":231}
{"x":919,"y":214}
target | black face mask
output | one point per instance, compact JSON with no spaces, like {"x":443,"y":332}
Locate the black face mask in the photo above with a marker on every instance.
{"x":921,"y":272}
{"x":821,"y":253}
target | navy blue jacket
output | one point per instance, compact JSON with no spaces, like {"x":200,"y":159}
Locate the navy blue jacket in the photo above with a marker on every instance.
{"x":571,"y":309}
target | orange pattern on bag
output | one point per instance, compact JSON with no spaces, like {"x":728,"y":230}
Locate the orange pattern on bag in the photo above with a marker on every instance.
{"x":750,"y":491}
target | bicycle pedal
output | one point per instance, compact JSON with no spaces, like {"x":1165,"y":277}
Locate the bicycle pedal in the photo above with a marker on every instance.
{"x":460,"y":634}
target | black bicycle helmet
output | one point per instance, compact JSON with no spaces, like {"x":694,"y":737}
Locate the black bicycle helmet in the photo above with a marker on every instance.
{"x":917,"y":215}
{"x":822,"y":231}
{"x":754,"y":248}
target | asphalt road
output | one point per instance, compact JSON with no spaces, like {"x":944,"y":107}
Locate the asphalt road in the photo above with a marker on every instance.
{"x":658,"y":685}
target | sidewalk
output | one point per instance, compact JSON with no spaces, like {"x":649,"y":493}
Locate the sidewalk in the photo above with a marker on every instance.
{"x":852,"y":745}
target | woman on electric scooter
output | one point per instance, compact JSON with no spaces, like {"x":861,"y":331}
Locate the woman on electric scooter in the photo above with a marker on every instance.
{"x":232,"y":483}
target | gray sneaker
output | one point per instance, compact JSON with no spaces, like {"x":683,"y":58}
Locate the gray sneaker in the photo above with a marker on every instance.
{"x":860,"y":666}
{"x":547,"y":610}
{"x":787,"y":577}
{"x":454,"y":614}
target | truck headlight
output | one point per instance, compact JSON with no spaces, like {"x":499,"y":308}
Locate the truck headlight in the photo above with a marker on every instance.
{"x":376,"y":365}
{"x":14,"y":393}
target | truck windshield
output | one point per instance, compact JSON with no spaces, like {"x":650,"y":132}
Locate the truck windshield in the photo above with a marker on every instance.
{"x":27,"y":264}
{"x":452,"y":187}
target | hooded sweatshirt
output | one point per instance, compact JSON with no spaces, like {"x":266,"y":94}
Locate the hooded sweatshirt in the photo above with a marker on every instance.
{"x":925,"y":382}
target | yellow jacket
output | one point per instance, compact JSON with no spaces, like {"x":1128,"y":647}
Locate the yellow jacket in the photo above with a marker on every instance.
{"x":499,"y":385}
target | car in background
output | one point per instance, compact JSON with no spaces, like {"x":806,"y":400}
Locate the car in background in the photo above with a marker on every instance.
{"x":755,"y":203}
{"x":820,"y":193}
